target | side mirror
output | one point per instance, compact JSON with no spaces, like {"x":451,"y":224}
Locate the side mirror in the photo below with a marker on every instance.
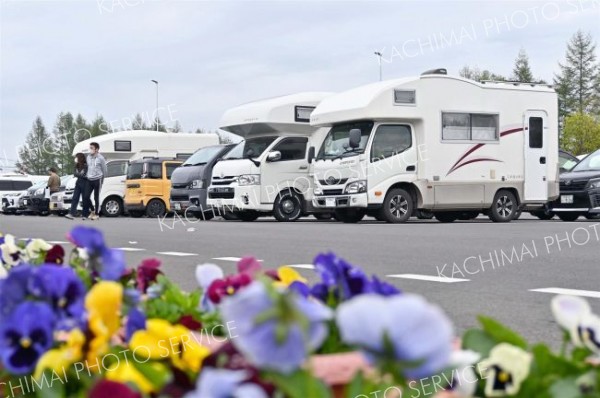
{"x":249,"y":153}
{"x":311,"y":154}
{"x":274,"y":156}
{"x":354,"y":138}
{"x":562,"y":170}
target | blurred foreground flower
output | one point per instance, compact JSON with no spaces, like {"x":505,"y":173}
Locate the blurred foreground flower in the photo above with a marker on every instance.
{"x":505,"y":369}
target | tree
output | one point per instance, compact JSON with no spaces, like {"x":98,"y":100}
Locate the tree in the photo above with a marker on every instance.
{"x":177,"y":127}
{"x":479,"y":75}
{"x":161,"y":126}
{"x":35,"y":157}
{"x":63,"y":143}
{"x":139,"y":123}
{"x":581,"y":134}
{"x":522,"y":71}
{"x":576,"y":84}
{"x":99,"y":126}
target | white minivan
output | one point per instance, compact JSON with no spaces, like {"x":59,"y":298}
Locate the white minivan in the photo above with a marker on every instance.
{"x":13,"y":184}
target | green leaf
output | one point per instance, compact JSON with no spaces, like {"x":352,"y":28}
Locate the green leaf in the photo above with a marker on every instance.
{"x":155,"y":372}
{"x":300,"y":384}
{"x":478,"y":341}
{"x":501,"y":333}
{"x":49,"y":386}
{"x":565,"y":388}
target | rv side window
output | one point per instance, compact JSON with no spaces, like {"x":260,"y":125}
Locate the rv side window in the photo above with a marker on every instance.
{"x":390,"y":140}
{"x":22,"y":185}
{"x":536,"y":132}
{"x":115,"y":169}
{"x":122,"y":146}
{"x":469,"y":127}
{"x":155,"y":170}
{"x":292,"y":148}
{"x":6,"y":185}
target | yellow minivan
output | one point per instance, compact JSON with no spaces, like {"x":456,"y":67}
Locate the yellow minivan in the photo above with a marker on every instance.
{"x":149,"y":186}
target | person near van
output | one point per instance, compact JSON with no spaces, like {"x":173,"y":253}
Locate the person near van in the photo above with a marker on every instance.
{"x":80,"y":185}
{"x":95,"y":176}
{"x":53,"y":181}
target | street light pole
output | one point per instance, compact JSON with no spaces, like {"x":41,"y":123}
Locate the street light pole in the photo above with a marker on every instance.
{"x":379,"y":55}
{"x":156,"y":116}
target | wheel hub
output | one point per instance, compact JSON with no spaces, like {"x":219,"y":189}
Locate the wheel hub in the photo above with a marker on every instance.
{"x":287,"y":206}
{"x":504,"y":206}
{"x":398,"y":206}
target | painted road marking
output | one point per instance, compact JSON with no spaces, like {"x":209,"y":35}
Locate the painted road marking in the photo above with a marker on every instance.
{"x":230,"y":259}
{"x":570,"y":292}
{"x":131,"y":249}
{"x":177,"y":254}
{"x":302,"y":266}
{"x":58,"y":242}
{"x":428,"y":278}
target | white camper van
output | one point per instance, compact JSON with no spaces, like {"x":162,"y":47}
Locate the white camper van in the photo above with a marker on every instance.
{"x":121,"y":147}
{"x":268,"y":172}
{"x":445,"y":144}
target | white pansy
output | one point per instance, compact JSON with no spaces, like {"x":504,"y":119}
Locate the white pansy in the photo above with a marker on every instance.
{"x":11,"y":253}
{"x":35,"y":246}
{"x":464,"y":377}
{"x":3,"y":272}
{"x":505,"y":369}
{"x":568,"y":310}
{"x":587,"y":333}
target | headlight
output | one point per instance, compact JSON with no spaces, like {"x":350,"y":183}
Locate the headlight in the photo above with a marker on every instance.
{"x":249,"y":179}
{"x":39,"y":191}
{"x":197,"y":184}
{"x":356,"y":187}
{"x":317,"y":190}
{"x":594,"y":184}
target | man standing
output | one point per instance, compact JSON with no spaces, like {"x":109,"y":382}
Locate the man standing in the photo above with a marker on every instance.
{"x":95,"y":175}
{"x":53,"y":181}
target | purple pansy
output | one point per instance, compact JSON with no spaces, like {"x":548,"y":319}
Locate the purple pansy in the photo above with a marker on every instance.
{"x":136,"y":320}
{"x":108,"y":263}
{"x":14,"y":289}
{"x":25,"y":336}
{"x":404,"y":328}
{"x":225,"y":383}
{"x":276,"y":330}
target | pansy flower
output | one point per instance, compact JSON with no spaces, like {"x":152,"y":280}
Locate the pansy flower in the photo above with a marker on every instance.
{"x":225,"y":383}
{"x":136,"y":320}
{"x":15,"y":288}
{"x":56,"y":255}
{"x":103,"y":304}
{"x":11,"y":253}
{"x":587,"y":333}
{"x":108,"y":263}
{"x":206,"y":274}
{"x":147,"y":273}
{"x":61,"y":358}
{"x":35,"y":247}
{"x":287,"y":275}
{"x":227,"y":286}
{"x":505,"y":370}
{"x":25,"y":336}
{"x":110,"y":389}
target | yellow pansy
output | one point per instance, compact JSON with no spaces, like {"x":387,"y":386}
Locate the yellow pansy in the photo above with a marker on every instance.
{"x":103,"y":303}
{"x":62,"y":357}
{"x":287,"y":276}
{"x":161,"y":340}
{"x":125,"y":372}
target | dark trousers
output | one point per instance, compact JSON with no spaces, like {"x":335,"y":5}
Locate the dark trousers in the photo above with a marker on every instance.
{"x":92,"y":186}
{"x":80,"y":190}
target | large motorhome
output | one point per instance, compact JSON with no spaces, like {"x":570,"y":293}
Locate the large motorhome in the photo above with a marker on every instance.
{"x":121,"y":147}
{"x":445,"y":144}
{"x":268,"y":172}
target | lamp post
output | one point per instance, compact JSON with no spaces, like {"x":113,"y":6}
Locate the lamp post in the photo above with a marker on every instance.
{"x":379,"y":55}
{"x":156,"y":120}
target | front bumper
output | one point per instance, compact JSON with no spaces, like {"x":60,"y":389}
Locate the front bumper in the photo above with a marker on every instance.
{"x":235,"y":198}
{"x":587,"y":201}
{"x":184,"y":199}
{"x":340,"y":201}
{"x":37,"y":205}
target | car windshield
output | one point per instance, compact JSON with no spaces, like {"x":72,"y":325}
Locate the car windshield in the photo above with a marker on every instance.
{"x":566,"y":161}
{"x":590,"y":163}
{"x":336,"y":145}
{"x":250,"y":148}
{"x":203,"y":156}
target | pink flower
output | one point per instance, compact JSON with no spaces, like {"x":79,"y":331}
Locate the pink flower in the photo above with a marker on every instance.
{"x":227,"y":286}
{"x":147,"y":273}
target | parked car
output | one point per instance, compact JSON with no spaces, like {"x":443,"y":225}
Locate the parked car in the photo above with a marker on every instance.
{"x":60,"y":202}
{"x":16,"y":183}
{"x":580,"y":190}
{"x":566,"y":161}
{"x":148,"y":186}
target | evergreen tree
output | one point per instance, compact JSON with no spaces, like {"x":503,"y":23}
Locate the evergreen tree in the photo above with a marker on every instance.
{"x":36,"y":157}
{"x":161,"y":126}
{"x":63,"y":143}
{"x":479,"y":75}
{"x":177,"y":127}
{"x":139,"y":123}
{"x":576,"y":84}
{"x":99,"y":126}
{"x":522,"y":71}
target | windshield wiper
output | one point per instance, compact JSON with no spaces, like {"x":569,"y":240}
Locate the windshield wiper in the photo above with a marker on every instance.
{"x":341,"y":155}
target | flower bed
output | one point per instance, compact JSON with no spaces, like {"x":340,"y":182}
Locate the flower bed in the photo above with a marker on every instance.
{"x":79,"y":322}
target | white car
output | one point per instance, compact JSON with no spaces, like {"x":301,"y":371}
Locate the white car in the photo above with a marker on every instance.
{"x":16,"y":183}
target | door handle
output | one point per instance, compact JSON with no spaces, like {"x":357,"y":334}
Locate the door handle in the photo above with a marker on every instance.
{"x":543,"y":160}
{"x":303,"y":167}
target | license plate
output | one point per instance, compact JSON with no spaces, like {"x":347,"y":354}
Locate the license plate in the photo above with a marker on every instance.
{"x":566,"y":199}
{"x":329,"y":202}
{"x":177,"y":206}
{"x":25,"y":202}
{"x":55,"y":205}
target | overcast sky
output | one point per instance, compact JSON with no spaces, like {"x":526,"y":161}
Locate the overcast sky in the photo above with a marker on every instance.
{"x":98,"y":56}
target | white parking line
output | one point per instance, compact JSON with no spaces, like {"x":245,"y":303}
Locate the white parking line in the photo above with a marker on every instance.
{"x":58,"y":242}
{"x":569,"y":292}
{"x":177,"y":254}
{"x":230,"y":259}
{"x":302,"y":266}
{"x":428,"y":278}
{"x":131,"y":249}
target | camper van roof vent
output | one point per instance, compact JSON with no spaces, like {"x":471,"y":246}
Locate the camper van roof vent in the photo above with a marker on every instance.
{"x":438,"y":71}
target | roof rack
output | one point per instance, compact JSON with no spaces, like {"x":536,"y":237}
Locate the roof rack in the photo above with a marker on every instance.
{"x":517,"y":83}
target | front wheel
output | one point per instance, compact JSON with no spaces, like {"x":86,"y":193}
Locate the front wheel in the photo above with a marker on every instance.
{"x":287,"y":206}
{"x":568,"y":216}
{"x":350,"y":216}
{"x":247,"y":215}
{"x":156,"y":208}
{"x":504,"y":207}
{"x":592,"y":216}
{"x":112,"y":207}
{"x":397,"y":206}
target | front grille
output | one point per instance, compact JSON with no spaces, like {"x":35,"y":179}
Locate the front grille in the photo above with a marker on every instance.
{"x":226,"y":180}
{"x":221,"y":195}
{"x":333,"y":181}
{"x":178,"y":186}
{"x":180,"y":198}
{"x":574,"y":185}
{"x":595,"y":199}
{"x":333,"y":191}
{"x":68,"y":200}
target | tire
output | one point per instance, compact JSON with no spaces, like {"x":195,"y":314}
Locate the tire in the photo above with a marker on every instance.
{"x":156,"y":208}
{"x":542,"y":214}
{"x":323,"y":216}
{"x":592,"y":216}
{"x":568,"y":216}
{"x":248,"y":215}
{"x":136,"y":213}
{"x":205,"y":216}
{"x":424,"y":215}
{"x":350,"y":216}
{"x":397,"y":206}
{"x":446,"y":216}
{"x":287,"y":206}
{"x":504,"y":207}
{"x":229,"y":216}
{"x":518,"y":214}
{"x":112,"y":207}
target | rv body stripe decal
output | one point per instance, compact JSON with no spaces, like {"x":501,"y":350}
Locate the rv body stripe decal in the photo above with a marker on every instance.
{"x":458,"y":163}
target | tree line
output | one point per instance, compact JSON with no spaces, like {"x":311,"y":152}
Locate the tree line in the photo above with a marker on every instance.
{"x":577,"y":84}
